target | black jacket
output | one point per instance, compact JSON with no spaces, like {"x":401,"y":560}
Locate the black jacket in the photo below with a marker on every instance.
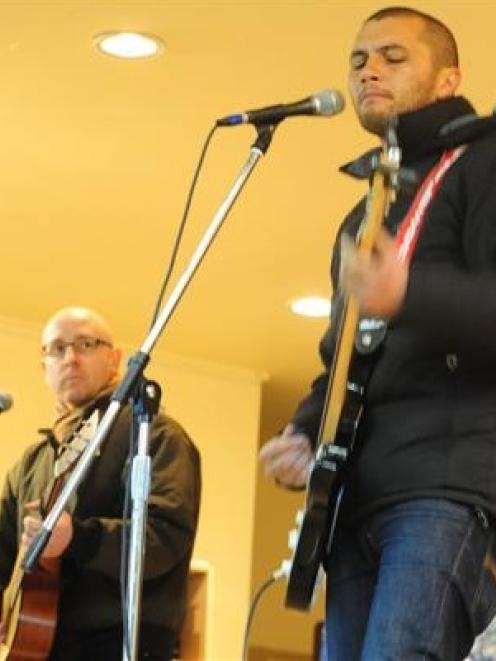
{"x":429,"y":427}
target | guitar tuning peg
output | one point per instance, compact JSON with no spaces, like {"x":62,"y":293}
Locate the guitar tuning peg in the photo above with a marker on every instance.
{"x":282,"y":571}
{"x":292,"y":539}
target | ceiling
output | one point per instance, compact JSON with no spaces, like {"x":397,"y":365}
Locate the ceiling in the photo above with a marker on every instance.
{"x":98,"y":154}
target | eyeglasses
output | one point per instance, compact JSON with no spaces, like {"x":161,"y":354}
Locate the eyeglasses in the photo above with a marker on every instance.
{"x":82,"y":345}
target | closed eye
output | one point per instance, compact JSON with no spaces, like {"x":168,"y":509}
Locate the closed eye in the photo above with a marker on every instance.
{"x":358,"y":60}
{"x":394,"y":54}
{"x":391,"y":54}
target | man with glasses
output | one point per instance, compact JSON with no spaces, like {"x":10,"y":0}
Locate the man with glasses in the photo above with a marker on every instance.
{"x":80,"y":364}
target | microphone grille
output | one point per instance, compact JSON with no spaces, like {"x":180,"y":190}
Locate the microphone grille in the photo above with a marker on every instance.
{"x":329,"y":102}
{"x":6,"y":401}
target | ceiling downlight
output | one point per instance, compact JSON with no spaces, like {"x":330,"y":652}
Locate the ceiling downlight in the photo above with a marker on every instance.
{"x":311,"y":306}
{"x":129,"y":45}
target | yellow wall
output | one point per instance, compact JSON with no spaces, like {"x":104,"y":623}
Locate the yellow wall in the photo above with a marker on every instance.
{"x":220,"y":408}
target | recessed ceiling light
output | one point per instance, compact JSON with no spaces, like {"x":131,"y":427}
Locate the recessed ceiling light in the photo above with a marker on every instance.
{"x":128,"y":44}
{"x":311,"y":306}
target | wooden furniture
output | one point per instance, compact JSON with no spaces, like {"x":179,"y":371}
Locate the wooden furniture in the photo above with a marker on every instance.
{"x":195,"y":634}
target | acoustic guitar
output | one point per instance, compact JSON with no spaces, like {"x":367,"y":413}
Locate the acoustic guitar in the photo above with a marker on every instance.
{"x":30,"y":601}
{"x":342,"y":408}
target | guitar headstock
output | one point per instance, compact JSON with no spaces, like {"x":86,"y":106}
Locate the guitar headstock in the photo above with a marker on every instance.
{"x":390,"y":159}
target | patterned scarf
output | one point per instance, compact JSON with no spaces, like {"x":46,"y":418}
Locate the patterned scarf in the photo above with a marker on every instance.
{"x":67,"y":418}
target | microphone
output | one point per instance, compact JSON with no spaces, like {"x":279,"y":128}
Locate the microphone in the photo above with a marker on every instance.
{"x":327,"y":102}
{"x":6,"y":402}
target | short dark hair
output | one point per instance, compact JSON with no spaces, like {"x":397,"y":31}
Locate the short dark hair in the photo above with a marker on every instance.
{"x":437,"y":35}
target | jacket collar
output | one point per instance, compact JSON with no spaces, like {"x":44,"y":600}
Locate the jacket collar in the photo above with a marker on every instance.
{"x":427,"y":131}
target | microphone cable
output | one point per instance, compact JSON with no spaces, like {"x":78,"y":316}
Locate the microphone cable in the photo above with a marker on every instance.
{"x":182,"y":225}
{"x":282,"y":572}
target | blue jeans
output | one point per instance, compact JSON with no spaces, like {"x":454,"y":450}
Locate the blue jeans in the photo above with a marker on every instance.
{"x":413,"y":582}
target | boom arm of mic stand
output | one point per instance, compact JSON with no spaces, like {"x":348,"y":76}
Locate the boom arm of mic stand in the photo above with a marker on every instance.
{"x":259,"y":148}
{"x":139,"y":361}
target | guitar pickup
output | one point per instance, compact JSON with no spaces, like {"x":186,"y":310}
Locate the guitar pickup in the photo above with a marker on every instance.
{"x":331,"y":456}
{"x":355,"y":388}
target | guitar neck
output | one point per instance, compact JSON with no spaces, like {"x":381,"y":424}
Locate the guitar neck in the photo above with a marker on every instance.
{"x":338,"y":380}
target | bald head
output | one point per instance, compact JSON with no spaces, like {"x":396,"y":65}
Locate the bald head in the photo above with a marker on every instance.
{"x":77,"y":315}
{"x":79,"y":357}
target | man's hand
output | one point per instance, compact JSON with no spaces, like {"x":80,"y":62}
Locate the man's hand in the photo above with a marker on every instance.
{"x":61,"y":535}
{"x":288,"y":458}
{"x":378,"y":281}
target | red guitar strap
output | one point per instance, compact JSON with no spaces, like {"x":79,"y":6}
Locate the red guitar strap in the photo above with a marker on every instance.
{"x":409,"y":230}
{"x":371,"y":332}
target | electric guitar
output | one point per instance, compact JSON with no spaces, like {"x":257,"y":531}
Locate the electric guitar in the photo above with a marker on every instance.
{"x":30,"y":601}
{"x":342,"y":408}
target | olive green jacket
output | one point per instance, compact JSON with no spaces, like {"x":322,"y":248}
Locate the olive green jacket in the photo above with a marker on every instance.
{"x":90,"y":593}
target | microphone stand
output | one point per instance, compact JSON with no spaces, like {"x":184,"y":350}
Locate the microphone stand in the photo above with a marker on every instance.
{"x":146,"y":405}
{"x":136,"y":366}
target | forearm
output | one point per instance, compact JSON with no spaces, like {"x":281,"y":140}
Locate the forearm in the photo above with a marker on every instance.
{"x":97,"y":545}
{"x":173,"y":507}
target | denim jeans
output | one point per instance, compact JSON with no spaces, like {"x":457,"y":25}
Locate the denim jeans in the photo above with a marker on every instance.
{"x":413,"y":582}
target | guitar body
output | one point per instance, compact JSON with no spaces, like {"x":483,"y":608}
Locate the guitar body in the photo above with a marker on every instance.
{"x":29,"y":613}
{"x":325,"y":488}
